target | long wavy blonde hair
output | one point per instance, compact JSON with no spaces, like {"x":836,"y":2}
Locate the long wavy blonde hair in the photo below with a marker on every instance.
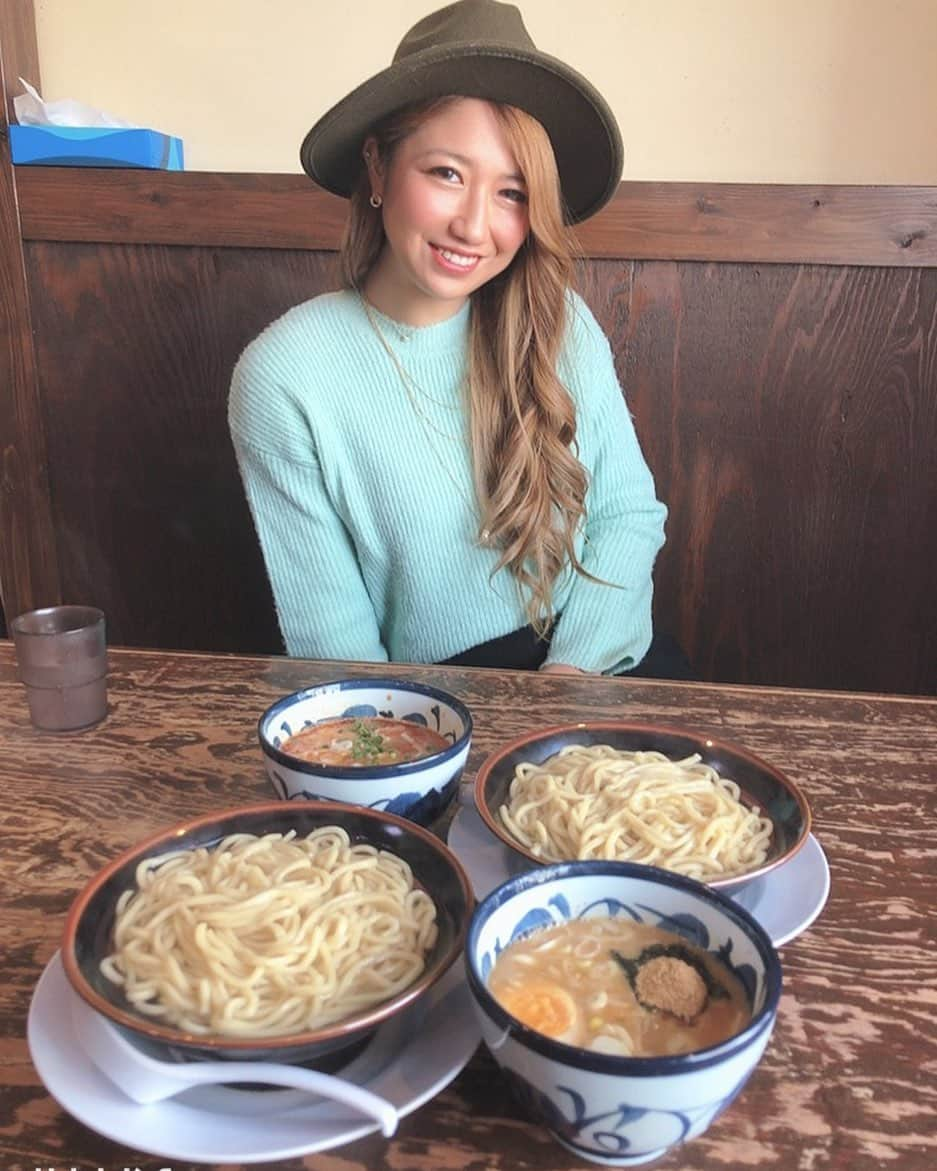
{"x":531,"y":487}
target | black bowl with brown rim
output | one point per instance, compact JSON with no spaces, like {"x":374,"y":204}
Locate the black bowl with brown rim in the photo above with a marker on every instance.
{"x":761,"y":783}
{"x":89,"y":930}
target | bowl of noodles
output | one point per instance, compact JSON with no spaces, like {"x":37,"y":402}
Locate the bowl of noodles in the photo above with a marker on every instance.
{"x":646,"y":794}
{"x":625,"y":1005}
{"x":280,"y":932}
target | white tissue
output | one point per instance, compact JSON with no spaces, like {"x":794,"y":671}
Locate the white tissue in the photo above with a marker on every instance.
{"x":31,"y":110}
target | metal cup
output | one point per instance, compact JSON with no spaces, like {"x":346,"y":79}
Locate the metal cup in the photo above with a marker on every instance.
{"x":61,"y":655}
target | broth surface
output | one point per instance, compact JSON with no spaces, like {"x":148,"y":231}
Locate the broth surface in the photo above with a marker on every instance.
{"x":583,"y":982}
{"x":364,"y":741}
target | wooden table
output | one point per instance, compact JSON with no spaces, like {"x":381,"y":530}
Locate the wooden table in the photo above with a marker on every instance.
{"x":849,"y":1081}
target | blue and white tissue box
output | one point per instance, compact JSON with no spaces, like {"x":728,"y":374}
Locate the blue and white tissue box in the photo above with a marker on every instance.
{"x":85,"y":146}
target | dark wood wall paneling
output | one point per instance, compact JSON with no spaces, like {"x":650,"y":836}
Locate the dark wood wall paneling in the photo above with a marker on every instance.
{"x":778,"y":346}
{"x":790,"y":415}
{"x":136,"y":345}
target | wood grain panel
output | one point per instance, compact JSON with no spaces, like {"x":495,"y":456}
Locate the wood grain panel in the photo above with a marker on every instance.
{"x":768,"y":223}
{"x":28,"y":563}
{"x":172,"y":207}
{"x":790,"y":417}
{"x":894,"y":226}
{"x":136,"y":348}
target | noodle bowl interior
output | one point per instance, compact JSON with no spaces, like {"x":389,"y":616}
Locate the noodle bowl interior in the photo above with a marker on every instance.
{"x":268,"y":936}
{"x":619,"y":987}
{"x":596,"y":801}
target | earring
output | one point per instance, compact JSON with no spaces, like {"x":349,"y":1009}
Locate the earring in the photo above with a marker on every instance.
{"x":375,"y":201}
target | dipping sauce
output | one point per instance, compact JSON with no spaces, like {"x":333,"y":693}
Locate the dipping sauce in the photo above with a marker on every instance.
{"x":364,"y":741}
{"x":619,"y":987}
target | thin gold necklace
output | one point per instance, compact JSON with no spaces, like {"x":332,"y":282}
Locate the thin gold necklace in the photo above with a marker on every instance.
{"x":405,"y":335}
{"x":410,"y":386}
{"x":406,"y":378}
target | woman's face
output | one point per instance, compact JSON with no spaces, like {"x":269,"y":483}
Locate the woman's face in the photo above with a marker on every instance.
{"x":455,"y":213}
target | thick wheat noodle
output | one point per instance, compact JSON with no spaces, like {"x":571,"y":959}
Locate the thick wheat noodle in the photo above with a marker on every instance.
{"x":262,"y":936}
{"x":600,"y":802}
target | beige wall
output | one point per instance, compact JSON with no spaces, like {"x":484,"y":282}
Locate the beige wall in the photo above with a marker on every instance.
{"x":791,"y":91}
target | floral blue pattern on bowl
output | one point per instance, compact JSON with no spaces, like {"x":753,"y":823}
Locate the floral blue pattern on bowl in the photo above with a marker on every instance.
{"x":622,"y":1111}
{"x":420,"y":790}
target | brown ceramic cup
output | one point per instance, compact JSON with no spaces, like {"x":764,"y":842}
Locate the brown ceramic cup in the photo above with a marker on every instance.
{"x":61,"y":657}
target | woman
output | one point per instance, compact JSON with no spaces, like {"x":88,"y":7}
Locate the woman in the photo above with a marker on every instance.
{"x":438,"y":458}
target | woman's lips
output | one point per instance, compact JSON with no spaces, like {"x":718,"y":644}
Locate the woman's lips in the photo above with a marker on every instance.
{"x":453,"y":261}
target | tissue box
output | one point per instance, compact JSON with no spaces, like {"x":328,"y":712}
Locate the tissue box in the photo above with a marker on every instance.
{"x":83,"y":146}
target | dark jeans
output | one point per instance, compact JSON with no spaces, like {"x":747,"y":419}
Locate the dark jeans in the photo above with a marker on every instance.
{"x":522,"y":650}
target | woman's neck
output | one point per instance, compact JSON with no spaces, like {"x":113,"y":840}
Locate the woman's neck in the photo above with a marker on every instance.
{"x":404,"y":303}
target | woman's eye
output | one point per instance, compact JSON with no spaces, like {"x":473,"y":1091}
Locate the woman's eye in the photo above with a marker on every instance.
{"x":514,"y":195}
{"x":447,"y":173}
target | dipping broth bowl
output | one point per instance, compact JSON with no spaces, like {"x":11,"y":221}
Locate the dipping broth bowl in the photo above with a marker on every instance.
{"x":621,"y":1111}
{"x":420,"y":790}
{"x":760,"y":783}
{"x":89,"y":929}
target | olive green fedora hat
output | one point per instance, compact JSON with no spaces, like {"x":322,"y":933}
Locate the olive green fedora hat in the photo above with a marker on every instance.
{"x":478,"y":49}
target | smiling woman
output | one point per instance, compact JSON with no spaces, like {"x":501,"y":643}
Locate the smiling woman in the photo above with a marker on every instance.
{"x":439,"y":457}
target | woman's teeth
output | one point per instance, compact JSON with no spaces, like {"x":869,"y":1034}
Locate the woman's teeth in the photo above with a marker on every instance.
{"x":457,"y":258}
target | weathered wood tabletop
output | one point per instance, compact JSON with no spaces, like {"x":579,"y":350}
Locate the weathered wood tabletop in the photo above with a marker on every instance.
{"x":849,"y":1081}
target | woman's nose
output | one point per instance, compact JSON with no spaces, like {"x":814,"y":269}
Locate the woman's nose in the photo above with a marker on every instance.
{"x":471,"y":221}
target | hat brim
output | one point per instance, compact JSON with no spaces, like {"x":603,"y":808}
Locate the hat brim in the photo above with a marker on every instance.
{"x":582,"y":129}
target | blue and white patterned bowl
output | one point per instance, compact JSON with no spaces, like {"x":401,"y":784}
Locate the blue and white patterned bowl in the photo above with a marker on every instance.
{"x":420,"y":790}
{"x":622,"y":1111}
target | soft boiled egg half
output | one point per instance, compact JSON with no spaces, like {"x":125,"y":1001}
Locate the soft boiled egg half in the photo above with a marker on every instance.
{"x":545,"y":1007}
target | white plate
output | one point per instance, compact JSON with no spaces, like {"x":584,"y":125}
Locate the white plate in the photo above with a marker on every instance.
{"x":785,"y":902}
{"x":409,"y":1060}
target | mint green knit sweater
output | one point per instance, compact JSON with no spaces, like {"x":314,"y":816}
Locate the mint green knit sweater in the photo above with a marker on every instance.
{"x":361,"y":493}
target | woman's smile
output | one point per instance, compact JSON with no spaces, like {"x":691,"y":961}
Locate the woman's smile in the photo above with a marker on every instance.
{"x":450,"y":259}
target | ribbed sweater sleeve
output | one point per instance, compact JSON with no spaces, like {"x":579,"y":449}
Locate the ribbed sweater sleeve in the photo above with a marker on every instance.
{"x":607,"y":627}
{"x":323,"y":606}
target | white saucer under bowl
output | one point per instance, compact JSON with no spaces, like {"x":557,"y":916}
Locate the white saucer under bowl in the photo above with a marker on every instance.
{"x":785,"y":901}
{"x":411,"y":1058}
